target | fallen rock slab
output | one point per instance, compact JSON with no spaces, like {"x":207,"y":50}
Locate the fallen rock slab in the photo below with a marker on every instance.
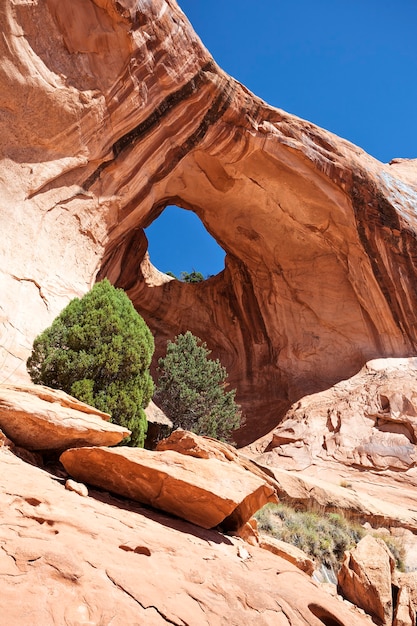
{"x":365,"y":579}
{"x":38,"y":418}
{"x":200,"y":447}
{"x":288,"y":552}
{"x":197,"y":490}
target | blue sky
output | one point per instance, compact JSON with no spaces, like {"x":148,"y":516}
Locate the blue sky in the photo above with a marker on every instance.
{"x":349,"y":67}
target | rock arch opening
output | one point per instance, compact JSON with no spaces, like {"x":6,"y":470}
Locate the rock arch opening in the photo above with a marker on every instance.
{"x":178,"y":243}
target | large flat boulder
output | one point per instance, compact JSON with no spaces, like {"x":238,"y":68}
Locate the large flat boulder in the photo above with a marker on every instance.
{"x":38,"y":418}
{"x":200,"y":491}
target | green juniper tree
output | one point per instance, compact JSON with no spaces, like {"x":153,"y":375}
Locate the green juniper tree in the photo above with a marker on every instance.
{"x":192,"y":277}
{"x":191,"y":390}
{"x":99,"y":350}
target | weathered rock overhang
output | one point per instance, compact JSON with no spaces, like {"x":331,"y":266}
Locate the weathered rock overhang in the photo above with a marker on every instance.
{"x":130,"y":114}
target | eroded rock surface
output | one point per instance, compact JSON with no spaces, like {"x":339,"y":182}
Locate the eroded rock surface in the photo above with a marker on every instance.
{"x":288,"y":552}
{"x":38,"y":418}
{"x":113,"y":110}
{"x":70,"y":560}
{"x":201,"y":491}
{"x":368,"y":421}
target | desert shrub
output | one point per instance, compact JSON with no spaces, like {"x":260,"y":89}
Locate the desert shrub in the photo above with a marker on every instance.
{"x":192,"y":277}
{"x":99,"y":350}
{"x":324,"y":537}
{"x":191,"y":390}
{"x":188,"y":277}
{"x":396,"y":548}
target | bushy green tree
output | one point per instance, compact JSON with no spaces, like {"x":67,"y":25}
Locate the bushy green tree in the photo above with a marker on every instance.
{"x":192,"y":277}
{"x":188,"y":277}
{"x":191,"y":390}
{"x":99,"y":350}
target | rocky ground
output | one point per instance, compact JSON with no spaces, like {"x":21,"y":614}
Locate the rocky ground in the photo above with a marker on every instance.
{"x":101,"y":560}
{"x":118,"y":549}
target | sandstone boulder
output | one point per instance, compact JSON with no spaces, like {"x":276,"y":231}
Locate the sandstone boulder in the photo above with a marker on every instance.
{"x":38,"y":418}
{"x":201,"y":491}
{"x":288,"y":552}
{"x":405,"y":584}
{"x":190,"y":444}
{"x":365,"y":579}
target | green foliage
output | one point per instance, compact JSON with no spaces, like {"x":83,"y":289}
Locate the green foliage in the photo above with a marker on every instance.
{"x":192,"y":277}
{"x":188,"y":277}
{"x":191,"y":390}
{"x":324,"y":537}
{"x":396,"y":548}
{"x":99,"y":350}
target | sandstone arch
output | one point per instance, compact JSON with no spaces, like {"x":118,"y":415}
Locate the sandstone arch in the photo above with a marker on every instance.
{"x":106,"y":124}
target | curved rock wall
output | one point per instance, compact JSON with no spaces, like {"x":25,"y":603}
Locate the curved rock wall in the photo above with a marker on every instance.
{"x":113,"y":110}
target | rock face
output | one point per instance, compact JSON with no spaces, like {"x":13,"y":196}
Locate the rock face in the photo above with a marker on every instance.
{"x":367,"y":422}
{"x":39,"y":418}
{"x":113,"y":110}
{"x":197,"y":490}
{"x":365,"y":579}
{"x":368,"y":579}
{"x":65,"y":559}
{"x":406,"y":610}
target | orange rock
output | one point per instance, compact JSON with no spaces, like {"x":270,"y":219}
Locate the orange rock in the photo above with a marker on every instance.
{"x":249,"y":532}
{"x":190,"y":444}
{"x":102,"y":560}
{"x":79,"y":488}
{"x":110,"y":121}
{"x":365,"y":579}
{"x":367,"y":421}
{"x":43,"y":419}
{"x":288,"y":552}
{"x":406,"y":600}
{"x":197,"y":490}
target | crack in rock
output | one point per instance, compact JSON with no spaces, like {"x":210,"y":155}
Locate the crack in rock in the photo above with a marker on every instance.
{"x":146,"y":608}
{"x":34,"y":282}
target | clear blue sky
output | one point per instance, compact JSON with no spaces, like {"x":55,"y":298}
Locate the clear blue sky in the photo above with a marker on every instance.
{"x":349,"y":67}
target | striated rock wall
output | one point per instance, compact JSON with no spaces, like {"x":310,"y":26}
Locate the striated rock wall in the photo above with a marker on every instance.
{"x":110,"y":111}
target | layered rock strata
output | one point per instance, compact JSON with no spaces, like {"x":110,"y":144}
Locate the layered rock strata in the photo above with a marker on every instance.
{"x":368,"y":421}
{"x":113,"y":110}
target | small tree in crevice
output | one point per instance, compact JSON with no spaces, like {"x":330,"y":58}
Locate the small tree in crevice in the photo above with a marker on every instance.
{"x":191,"y":390}
{"x":99,"y":349}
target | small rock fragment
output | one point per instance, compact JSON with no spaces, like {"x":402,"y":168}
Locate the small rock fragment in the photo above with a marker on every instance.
{"x":79,"y":488}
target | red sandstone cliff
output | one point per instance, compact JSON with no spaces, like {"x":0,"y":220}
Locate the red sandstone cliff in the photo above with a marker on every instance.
{"x":113,"y":110}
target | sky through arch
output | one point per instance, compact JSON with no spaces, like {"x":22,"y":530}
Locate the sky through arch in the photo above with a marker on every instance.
{"x":349,"y":67}
{"x":179,"y":242}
